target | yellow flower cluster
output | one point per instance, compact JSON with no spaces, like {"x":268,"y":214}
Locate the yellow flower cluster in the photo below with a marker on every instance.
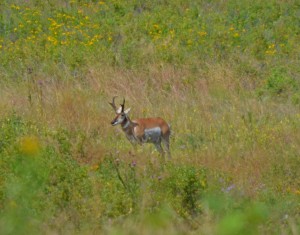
{"x":155,"y":32}
{"x":58,"y":29}
{"x":271,"y":49}
{"x":29,"y":145}
{"x":93,"y":24}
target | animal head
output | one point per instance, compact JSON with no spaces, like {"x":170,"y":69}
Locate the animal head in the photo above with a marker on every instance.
{"x":121,"y":114}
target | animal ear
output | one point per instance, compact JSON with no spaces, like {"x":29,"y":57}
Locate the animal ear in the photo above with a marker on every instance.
{"x":119,"y":110}
{"x":127,"y":111}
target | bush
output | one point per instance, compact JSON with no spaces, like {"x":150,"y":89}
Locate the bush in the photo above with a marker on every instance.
{"x":185,"y":186}
{"x":37,"y":182}
{"x":279,"y":84}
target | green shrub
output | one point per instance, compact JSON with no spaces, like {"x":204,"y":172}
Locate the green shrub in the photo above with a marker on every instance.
{"x":245,"y":221}
{"x":37,"y":182}
{"x":185,"y":186}
{"x":120,"y":187}
{"x":280,"y":83}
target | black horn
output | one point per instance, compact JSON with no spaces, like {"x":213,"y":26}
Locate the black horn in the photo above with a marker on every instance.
{"x":123,"y":105}
{"x":113,"y":103}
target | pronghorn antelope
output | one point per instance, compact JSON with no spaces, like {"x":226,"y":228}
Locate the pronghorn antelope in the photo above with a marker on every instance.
{"x":143,"y":130}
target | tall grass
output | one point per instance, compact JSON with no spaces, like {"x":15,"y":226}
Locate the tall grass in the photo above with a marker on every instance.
{"x":224,"y":74}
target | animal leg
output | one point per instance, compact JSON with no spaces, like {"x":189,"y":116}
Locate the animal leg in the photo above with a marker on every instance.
{"x":166,"y":143}
{"x":159,"y":148}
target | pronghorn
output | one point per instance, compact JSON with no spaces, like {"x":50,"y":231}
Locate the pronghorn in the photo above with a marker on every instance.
{"x":143,"y":130}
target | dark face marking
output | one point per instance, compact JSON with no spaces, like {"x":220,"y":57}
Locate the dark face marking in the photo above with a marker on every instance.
{"x":118,"y":119}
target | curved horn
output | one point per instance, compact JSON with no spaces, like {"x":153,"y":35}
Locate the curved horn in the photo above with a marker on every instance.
{"x":113,"y":105}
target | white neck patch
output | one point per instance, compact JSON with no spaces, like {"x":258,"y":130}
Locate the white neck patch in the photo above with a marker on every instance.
{"x":126,"y":124}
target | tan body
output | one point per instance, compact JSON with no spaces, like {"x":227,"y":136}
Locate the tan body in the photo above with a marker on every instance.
{"x":150,"y":123}
{"x":144,"y":130}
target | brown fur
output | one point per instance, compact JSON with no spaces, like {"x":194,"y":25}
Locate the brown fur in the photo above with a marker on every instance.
{"x":146,"y":123}
{"x":135,"y":130}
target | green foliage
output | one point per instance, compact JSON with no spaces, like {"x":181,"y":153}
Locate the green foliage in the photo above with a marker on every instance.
{"x":120,"y":187}
{"x":40,"y":180}
{"x":246,"y":221}
{"x":279,"y":82}
{"x":10,"y":129}
{"x":36,"y":182}
{"x":182,"y":188}
{"x":23,"y":200}
{"x":186,"y":186}
{"x":68,"y":186}
{"x":23,"y":176}
{"x":76,"y":33}
{"x":160,"y":218}
{"x":201,"y":64}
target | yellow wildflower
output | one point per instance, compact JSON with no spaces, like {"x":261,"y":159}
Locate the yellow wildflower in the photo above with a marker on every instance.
{"x":90,"y":43}
{"x":29,"y":145}
{"x":13,"y":6}
{"x":202,"y":33}
{"x":236,"y":35}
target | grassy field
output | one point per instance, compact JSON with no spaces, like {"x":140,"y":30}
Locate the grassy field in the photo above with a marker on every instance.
{"x":224,"y":74}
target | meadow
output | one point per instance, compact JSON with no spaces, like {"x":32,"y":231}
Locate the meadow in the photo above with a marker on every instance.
{"x":224,"y":74}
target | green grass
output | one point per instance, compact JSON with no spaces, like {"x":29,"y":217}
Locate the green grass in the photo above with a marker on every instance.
{"x":224,"y":74}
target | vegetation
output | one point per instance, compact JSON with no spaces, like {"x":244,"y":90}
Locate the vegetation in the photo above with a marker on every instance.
{"x":224,"y":74}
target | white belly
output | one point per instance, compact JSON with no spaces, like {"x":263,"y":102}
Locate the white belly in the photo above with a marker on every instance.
{"x":152,"y":135}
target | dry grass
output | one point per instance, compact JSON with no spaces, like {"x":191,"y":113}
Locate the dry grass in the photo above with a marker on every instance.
{"x":210,"y":104}
{"x":225,"y":76}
